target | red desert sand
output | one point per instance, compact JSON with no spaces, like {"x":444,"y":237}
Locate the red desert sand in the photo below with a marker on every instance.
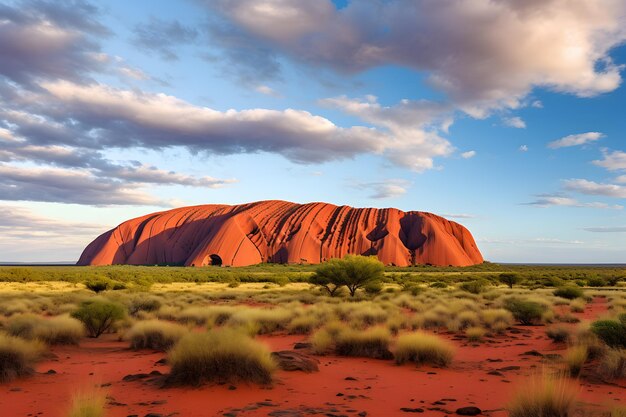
{"x":483,"y":375}
{"x":283,"y":232}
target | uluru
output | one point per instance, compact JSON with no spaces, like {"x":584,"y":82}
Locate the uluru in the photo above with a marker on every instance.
{"x":283,"y":232}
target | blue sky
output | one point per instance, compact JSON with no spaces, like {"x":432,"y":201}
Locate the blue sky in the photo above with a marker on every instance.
{"x":488,"y":113}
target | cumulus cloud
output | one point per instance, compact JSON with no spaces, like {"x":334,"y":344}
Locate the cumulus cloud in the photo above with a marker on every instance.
{"x":549,"y":200}
{"x":613,"y":161}
{"x":515,"y":122}
{"x":468,"y":154}
{"x":575,"y":140}
{"x":163,"y":37}
{"x":523,"y":148}
{"x":523,"y":42}
{"x":391,"y":188}
{"x":584,"y":186}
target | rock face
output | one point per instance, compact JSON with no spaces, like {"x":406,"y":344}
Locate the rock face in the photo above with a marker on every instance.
{"x":283,"y":232}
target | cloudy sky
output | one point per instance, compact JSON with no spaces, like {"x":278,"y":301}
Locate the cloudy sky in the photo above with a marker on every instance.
{"x":507,"y":116}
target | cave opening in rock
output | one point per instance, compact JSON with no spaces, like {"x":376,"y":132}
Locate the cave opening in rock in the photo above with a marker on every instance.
{"x":216,"y":260}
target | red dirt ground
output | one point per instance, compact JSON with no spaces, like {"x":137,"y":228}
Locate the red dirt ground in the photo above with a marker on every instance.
{"x":380,"y":387}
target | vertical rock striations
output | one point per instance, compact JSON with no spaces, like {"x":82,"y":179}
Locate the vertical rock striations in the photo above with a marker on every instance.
{"x":283,"y":232}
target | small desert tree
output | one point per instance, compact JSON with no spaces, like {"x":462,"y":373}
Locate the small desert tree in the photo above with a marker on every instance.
{"x":353,"y":271}
{"x":361,"y":271}
{"x":330,"y":276}
{"x":509,"y":279}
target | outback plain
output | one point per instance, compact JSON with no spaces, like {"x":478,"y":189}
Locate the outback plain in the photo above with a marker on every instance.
{"x":291,"y":340}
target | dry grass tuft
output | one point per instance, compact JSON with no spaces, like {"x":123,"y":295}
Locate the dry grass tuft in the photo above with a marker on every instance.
{"x":575,"y":358}
{"x":88,"y":403}
{"x":544,"y":396}
{"x":370,"y":343}
{"x":18,"y":356}
{"x":220,"y":356}
{"x":154,"y":334}
{"x":423,"y":348}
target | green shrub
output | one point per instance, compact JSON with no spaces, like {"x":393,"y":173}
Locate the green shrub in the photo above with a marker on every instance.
{"x":526,"y":312}
{"x":97,"y":286}
{"x":423,"y":348}
{"x":221,"y":356}
{"x":371,"y":343}
{"x":98,"y":316}
{"x":18,"y":357}
{"x":473,"y":287}
{"x":438,"y":284}
{"x":154,"y":334}
{"x":569,"y":292}
{"x":509,"y":279}
{"x":596,"y":282}
{"x":611,"y":332}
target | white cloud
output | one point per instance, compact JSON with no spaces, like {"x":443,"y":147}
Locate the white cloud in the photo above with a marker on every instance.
{"x":515,"y":122}
{"x":593,"y":188}
{"x":458,"y":216}
{"x":268,"y":91}
{"x":413,"y":125}
{"x":391,"y":188}
{"x":613,"y":161}
{"x":621,"y":179}
{"x":575,"y":140}
{"x":468,"y":154}
{"x":523,"y":148}
{"x":537,"y":104}
{"x":549,"y":200}
{"x":523,"y":42}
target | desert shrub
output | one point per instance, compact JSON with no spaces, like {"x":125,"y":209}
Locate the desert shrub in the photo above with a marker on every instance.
{"x":613,"y":364}
{"x":467,"y":319}
{"x":497,"y":319}
{"x":575,"y":358}
{"x":321,"y":342}
{"x":266,"y":320}
{"x":475,"y":334}
{"x":144,"y":303}
{"x":544,"y":396}
{"x":61,"y":330}
{"x":438,"y":284}
{"x":473,"y":287}
{"x":423,"y":348}
{"x":376,"y":287}
{"x":509,"y":279}
{"x":98,"y":316}
{"x":18,"y":356}
{"x":220,"y":356}
{"x":577,"y":306}
{"x":97,"y":286}
{"x":303,"y":324}
{"x":595,"y":347}
{"x":154,"y":334}
{"x":558,"y":333}
{"x":371,"y":343}
{"x":569,"y":292}
{"x":596,"y":282}
{"x":611,"y":332}
{"x":88,"y":403}
{"x":526,"y":312}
